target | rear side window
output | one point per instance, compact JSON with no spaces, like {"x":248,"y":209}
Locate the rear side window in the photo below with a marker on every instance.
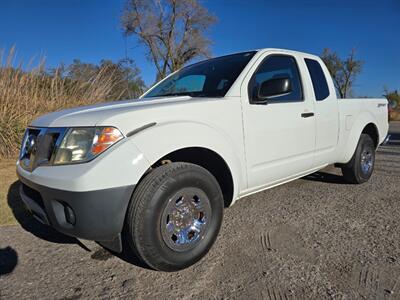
{"x":318,"y":79}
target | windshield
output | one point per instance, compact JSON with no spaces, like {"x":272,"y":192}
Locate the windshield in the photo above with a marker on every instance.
{"x":209,"y":78}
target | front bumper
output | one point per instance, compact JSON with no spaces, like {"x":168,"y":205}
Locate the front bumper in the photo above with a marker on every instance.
{"x":93,"y":215}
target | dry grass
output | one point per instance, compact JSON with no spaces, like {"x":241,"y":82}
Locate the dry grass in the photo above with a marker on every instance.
{"x":26,"y":94}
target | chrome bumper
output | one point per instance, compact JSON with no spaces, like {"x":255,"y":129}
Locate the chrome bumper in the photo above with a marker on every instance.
{"x":386,"y":140}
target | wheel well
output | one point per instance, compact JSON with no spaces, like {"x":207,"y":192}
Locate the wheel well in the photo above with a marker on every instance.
{"x":372,"y":131}
{"x":210,"y":161}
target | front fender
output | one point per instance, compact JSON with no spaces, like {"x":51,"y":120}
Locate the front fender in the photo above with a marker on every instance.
{"x":121,"y":165}
{"x":157,"y":141}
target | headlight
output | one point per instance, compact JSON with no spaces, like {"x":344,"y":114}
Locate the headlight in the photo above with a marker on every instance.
{"x":83,"y":144}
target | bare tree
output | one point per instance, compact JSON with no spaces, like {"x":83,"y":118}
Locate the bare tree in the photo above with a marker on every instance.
{"x":343,"y":71}
{"x":172,"y":31}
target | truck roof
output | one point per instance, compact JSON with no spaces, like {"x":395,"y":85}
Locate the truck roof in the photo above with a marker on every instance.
{"x":287,"y":51}
{"x":281,"y":50}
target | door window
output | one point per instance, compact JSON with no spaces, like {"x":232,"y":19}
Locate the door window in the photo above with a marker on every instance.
{"x":275,"y":67}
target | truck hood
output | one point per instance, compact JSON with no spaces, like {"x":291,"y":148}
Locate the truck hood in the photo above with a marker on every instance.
{"x":124,"y":115}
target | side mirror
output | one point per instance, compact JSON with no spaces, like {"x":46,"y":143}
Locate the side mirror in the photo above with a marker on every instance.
{"x":274,"y":87}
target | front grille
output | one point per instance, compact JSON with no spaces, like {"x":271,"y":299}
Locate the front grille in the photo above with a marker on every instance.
{"x":39,"y":145}
{"x":47,"y":146}
{"x":33,"y":194}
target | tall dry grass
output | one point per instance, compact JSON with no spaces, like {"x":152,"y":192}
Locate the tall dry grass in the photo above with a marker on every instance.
{"x":27,"y":93}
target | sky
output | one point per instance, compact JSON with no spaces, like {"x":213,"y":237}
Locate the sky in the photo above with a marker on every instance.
{"x":90,"y":30}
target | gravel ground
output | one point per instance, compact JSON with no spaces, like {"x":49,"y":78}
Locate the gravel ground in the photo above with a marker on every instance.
{"x":316,"y":237}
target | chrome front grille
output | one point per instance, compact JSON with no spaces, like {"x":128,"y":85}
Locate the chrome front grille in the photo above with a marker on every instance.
{"x":39,"y":146}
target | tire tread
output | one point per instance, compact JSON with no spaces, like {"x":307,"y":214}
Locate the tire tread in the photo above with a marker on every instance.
{"x":135,"y":216}
{"x":350,"y":171}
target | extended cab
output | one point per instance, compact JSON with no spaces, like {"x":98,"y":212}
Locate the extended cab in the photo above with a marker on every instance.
{"x":158,"y":171}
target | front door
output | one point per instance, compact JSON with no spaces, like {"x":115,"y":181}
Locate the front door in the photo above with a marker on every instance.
{"x":279,"y":134}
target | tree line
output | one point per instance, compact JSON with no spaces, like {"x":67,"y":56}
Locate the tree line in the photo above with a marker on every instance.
{"x":128,"y":83}
{"x":174,"y":33}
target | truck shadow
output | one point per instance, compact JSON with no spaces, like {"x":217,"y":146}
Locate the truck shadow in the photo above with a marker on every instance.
{"x":127,"y":255}
{"x":321,"y":176}
{"x":30,"y":224}
{"x":390,"y":149}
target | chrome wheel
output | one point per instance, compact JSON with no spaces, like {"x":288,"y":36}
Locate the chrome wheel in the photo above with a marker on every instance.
{"x":367,"y":161}
{"x":185,"y":219}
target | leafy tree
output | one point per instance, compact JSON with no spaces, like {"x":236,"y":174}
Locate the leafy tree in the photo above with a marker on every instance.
{"x":80,"y":71}
{"x":128,"y":82}
{"x":343,"y":71}
{"x":124,"y":74}
{"x":171,"y":30}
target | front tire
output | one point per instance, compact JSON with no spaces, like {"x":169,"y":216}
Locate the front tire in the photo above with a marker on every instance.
{"x":359,"y":169}
{"x":174,"y":216}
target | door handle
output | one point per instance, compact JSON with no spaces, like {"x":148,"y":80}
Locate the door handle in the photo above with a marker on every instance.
{"x":307,"y":115}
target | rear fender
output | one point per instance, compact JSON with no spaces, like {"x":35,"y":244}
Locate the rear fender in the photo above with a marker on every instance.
{"x":353,"y":129}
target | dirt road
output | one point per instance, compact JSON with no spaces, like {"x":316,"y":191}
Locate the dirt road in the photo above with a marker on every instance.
{"x":316,"y":237}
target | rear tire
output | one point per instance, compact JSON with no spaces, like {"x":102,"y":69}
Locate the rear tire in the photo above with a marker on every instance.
{"x":359,"y":169}
{"x":174,"y":216}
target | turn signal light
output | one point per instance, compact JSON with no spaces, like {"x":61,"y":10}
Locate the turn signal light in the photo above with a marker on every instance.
{"x":104,"y":138}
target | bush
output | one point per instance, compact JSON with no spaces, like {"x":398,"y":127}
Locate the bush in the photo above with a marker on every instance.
{"x":394,"y":115}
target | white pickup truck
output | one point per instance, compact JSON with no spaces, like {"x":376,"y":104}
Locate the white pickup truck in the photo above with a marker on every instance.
{"x":158,"y":171}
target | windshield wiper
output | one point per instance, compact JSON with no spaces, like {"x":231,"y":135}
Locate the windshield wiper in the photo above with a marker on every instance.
{"x":190,"y":94}
{"x":174,"y":94}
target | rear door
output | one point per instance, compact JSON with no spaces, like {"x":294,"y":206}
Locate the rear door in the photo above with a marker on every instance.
{"x":326,"y":114}
{"x":280,"y":134}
